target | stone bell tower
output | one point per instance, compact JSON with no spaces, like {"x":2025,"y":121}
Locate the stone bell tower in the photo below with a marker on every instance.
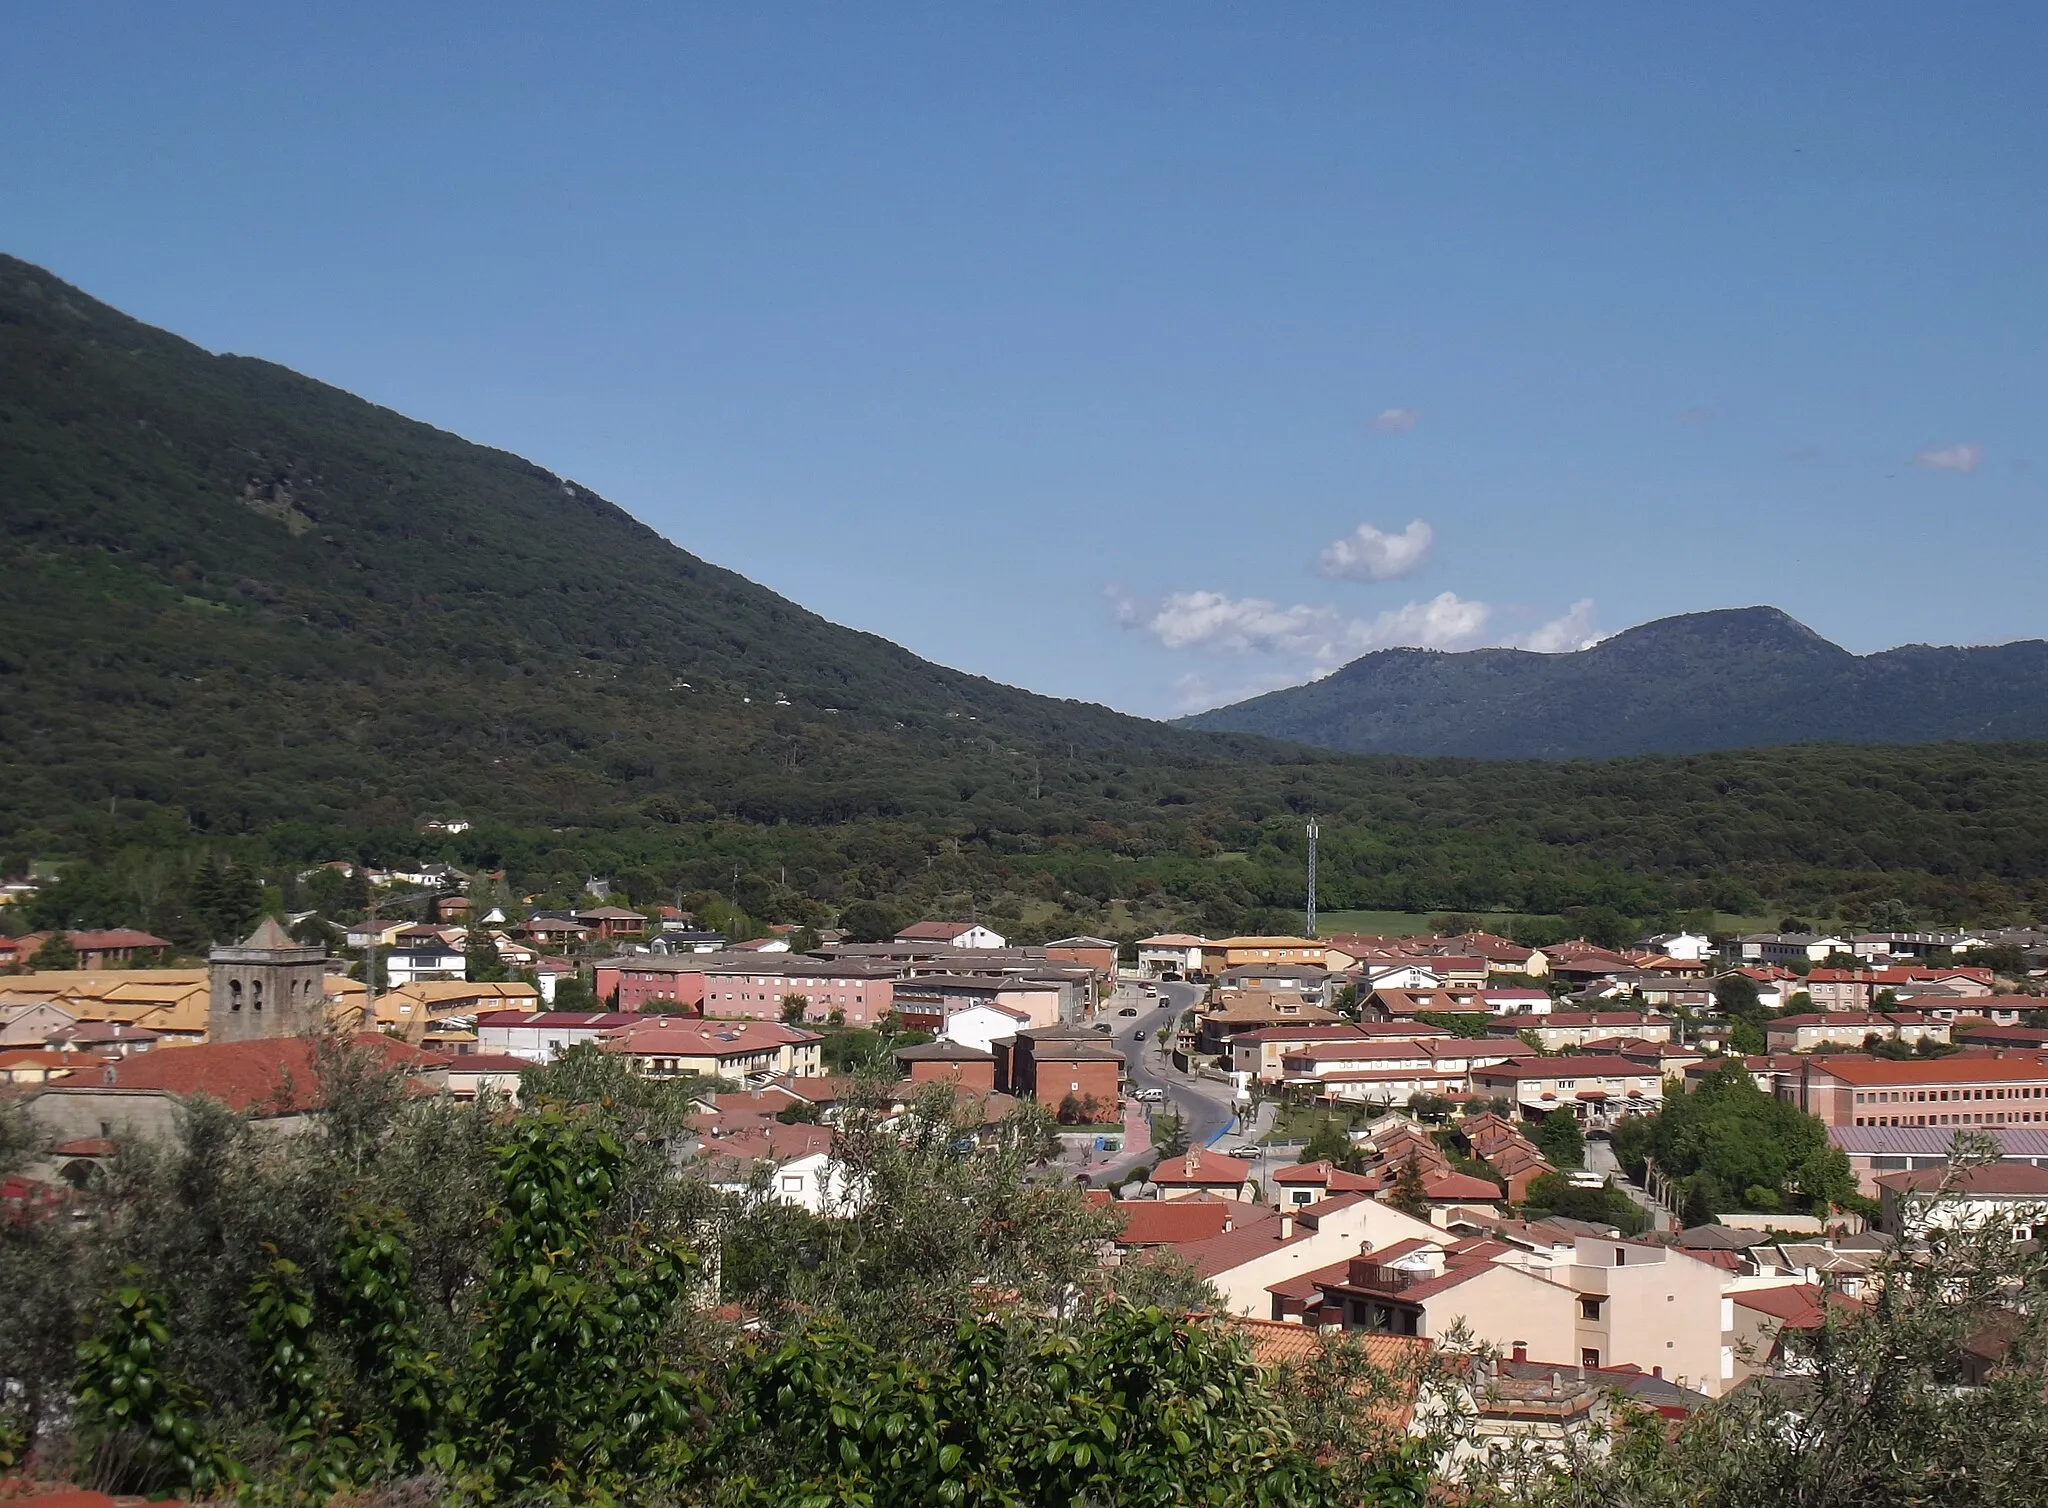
{"x":266,"y":986}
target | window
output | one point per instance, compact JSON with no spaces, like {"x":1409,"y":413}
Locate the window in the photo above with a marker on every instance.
{"x":792,"y":1183}
{"x":1590,"y":1308}
{"x":1589,"y":1358}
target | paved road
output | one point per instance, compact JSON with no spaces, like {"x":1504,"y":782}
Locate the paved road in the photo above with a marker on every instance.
{"x":1205,"y":1104}
{"x":1600,"y":1158}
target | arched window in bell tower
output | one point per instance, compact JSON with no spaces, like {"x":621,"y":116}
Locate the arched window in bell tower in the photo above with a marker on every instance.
{"x":234,"y":994}
{"x":255,"y":994}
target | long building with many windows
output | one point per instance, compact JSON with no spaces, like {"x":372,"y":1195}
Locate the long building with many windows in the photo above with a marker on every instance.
{"x":1994,"y":1088}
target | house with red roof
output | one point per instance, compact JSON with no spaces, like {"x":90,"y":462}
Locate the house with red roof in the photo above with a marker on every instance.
{"x":1596,"y":1087}
{"x":2012,"y":1196}
{"x":1201,"y":1171}
{"x":1762,"y":1319}
{"x":666,"y":1047}
{"x":1504,"y":955}
{"x":275,"y":1081}
{"x":951,"y":934}
{"x":1558,"y":1031}
{"x":1313,"y":1182}
{"x":109,"y":948}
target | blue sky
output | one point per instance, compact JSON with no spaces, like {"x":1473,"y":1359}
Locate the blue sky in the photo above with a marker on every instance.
{"x":1076,"y":345}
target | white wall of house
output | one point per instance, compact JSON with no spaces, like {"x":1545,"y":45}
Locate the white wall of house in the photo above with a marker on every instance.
{"x":978,"y":1026}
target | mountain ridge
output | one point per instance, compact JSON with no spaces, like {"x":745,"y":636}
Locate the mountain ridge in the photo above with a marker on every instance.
{"x":246,"y":594}
{"x":1729,"y":678}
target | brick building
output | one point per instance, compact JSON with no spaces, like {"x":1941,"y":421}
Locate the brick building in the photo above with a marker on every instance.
{"x":1995,"y":1088}
{"x":1055,"y":1063}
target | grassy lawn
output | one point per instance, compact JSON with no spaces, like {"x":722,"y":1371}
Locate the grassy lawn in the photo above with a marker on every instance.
{"x":1299,"y":1122}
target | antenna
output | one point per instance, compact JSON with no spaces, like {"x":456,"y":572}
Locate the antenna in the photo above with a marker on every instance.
{"x":1314,"y":831}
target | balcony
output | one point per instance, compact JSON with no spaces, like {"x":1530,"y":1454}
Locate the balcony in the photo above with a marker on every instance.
{"x":1376,"y":1277}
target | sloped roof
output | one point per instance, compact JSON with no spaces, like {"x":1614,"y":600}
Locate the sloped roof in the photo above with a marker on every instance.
{"x":2011,"y":1179}
{"x":1202,"y":1167}
{"x":274,"y":1076}
{"x":1797,"y":1305}
{"x":934,"y":931}
{"x":269,"y":934}
{"x":1171,"y":1222}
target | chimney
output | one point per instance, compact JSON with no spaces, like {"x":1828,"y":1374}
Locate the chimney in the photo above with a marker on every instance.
{"x":1286,"y":1227}
{"x":1521,"y":1350}
{"x":1656,"y":1371}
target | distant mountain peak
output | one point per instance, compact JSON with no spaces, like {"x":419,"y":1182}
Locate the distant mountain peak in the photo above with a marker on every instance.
{"x":1753,"y":625}
{"x":1740,"y":677}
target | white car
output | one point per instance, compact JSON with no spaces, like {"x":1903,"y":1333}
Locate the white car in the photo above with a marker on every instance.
{"x":1148,"y":1095}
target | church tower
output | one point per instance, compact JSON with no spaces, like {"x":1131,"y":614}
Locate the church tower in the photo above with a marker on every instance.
{"x":266,"y":986}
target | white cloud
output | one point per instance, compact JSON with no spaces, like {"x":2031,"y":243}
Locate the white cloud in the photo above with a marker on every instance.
{"x":1561,"y":635}
{"x":1963,"y":456}
{"x":1195,"y":692}
{"x":1369,"y":554}
{"x":1392,"y":421}
{"x":1323,"y":636}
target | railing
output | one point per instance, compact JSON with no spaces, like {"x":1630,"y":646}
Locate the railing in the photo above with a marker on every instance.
{"x":1381,"y":1278}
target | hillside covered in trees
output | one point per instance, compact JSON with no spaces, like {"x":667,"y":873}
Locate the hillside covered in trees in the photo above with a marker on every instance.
{"x":253,"y":619}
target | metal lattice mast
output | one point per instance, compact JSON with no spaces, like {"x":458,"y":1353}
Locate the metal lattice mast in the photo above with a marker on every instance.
{"x":1314,"y":832}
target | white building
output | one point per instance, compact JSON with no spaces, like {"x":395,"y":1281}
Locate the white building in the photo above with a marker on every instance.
{"x":538,"y":1036}
{"x":951,"y":934}
{"x":1686,"y":947}
{"x":2012,"y":1196}
{"x":978,"y":1026}
{"x":1170,"y":953}
{"x":431,"y":961}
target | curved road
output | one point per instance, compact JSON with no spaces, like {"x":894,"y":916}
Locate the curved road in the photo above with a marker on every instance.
{"x":1205,"y":1104}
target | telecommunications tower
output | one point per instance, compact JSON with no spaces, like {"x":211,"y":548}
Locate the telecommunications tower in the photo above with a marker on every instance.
{"x":1314,"y":832}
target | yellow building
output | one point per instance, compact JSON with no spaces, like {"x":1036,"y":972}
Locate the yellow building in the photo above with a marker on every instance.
{"x":170,"y":1002}
{"x":407,"y":1008}
{"x":1234,"y":952}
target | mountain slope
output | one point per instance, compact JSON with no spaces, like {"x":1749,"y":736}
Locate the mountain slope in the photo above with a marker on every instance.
{"x":239,"y":593}
{"x":246,"y":616}
{"x":1740,"y":678}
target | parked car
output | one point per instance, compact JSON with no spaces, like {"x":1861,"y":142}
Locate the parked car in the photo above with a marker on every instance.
{"x":1129,"y":1010}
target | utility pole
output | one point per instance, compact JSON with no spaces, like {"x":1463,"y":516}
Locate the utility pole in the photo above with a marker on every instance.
{"x":1314,"y":832}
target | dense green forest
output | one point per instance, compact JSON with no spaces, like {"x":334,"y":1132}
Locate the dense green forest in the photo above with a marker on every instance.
{"x":253,"y":621}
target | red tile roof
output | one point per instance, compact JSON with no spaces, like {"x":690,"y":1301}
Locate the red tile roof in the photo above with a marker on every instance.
{"x":2021,"y":1179}
{"x":1325,"y":1175}
{"x":1202,"y":1168}
{"x":1171,"y":1222}
{"x":1798,"y":1305}
{"x":273,"y":1076}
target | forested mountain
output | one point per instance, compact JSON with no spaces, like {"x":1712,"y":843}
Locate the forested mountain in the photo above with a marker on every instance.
{"x":249,"y":616}
{"x":1737,"y":679}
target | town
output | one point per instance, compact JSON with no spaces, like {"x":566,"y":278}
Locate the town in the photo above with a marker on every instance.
{"x":1426,"y":1141}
